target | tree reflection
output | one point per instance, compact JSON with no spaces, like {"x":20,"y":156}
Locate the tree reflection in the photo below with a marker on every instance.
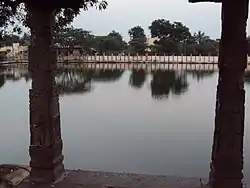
{"x":247,"y":77}
{"x":72,"y":81}
{"x":27,"y":77}
{"x":137,"y":78}
{"x":13,"y":77}
{"x":201,"y":74}
{"x":2,"y":80}
{"x":102,"y":75}
{"x":164,"y":82}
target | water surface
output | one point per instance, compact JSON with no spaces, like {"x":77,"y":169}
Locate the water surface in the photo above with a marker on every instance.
{"x":159,"y":123}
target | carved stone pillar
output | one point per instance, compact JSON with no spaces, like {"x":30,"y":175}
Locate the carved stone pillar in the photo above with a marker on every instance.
{"x":227,"y":154}
{"x":45,"y":134}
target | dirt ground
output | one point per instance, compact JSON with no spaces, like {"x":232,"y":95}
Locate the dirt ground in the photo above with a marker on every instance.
{"x":89,"y":179}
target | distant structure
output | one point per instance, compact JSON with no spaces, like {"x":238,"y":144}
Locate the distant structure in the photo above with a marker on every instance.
{"x":16,"y":50}
{"x":151,"y":43}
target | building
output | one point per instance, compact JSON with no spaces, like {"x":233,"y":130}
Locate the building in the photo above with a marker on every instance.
{"x":151,"y":43}
{"x":15,"y":51}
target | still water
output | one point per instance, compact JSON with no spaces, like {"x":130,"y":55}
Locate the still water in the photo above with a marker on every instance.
{"x":160,"y":123}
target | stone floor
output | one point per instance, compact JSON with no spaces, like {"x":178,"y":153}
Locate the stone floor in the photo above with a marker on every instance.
{"x":89,"y":179}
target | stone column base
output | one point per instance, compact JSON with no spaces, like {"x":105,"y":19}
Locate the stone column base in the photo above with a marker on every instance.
{"x":46,"y":163}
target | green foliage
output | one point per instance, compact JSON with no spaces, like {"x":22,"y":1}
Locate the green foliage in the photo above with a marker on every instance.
{"x":171,"y":35}
{"x":200,"y":37}
{"x":71,"y":37}
{"x":10,"y":15}
{"x":175,"y":38}
{"x":164,"y":29}
{"x":137,"y":43}
{"x":8,"y":40}
{"x":112,"y":43}
{"x":12,"y":11}
{"x":74,"y":37}
{"x":202,"y":44}
{"x":65,"y":16}
{"x":136,"y":32}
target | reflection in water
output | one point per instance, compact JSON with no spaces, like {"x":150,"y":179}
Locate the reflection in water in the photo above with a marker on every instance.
{"x":247,"y":77}
{"x":27,"y":77}
{"x":2,"y":80}
{"x":15,"y":74}
{"x":107,"y":75}
{"x":164,"y":82}
{"x":13,"y":77}
{"x":79,"y":81}
{"x":201,"y":74}
{"x":73,"y":81}
{"x":137,"y":78}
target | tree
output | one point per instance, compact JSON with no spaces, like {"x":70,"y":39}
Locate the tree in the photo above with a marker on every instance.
{"x":8,"y":39}
{"x":200,"y":43}
{"x":136,"y":32}
{"x":8,"y":13}
{"x":116,"y":42}
{"x":45,"y":142}
{"x":70,"y":37}
{"x":176,"y":38}
{"x":172,"y":36}
{"x":200,"y":37}
{"x":180,"y":32}
{"x":227,"y":154}
{"x":138,"y":40}
{"x":16,"y":10}
{"x":208,"y":47}
{"x":112,"y":43}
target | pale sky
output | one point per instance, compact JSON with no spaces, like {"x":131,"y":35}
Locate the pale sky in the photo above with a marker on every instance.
{"x":121,"y":15}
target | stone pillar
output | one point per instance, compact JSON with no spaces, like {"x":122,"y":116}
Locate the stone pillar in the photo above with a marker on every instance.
{"x":112,"y":57}
{"x":103,"y":57}
{"x":227,"y":154}
{"x":45,"y":133}
{"x":95,"y":58}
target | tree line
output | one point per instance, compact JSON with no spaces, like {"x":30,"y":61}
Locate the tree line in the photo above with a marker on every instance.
{"x":166,"y":38}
